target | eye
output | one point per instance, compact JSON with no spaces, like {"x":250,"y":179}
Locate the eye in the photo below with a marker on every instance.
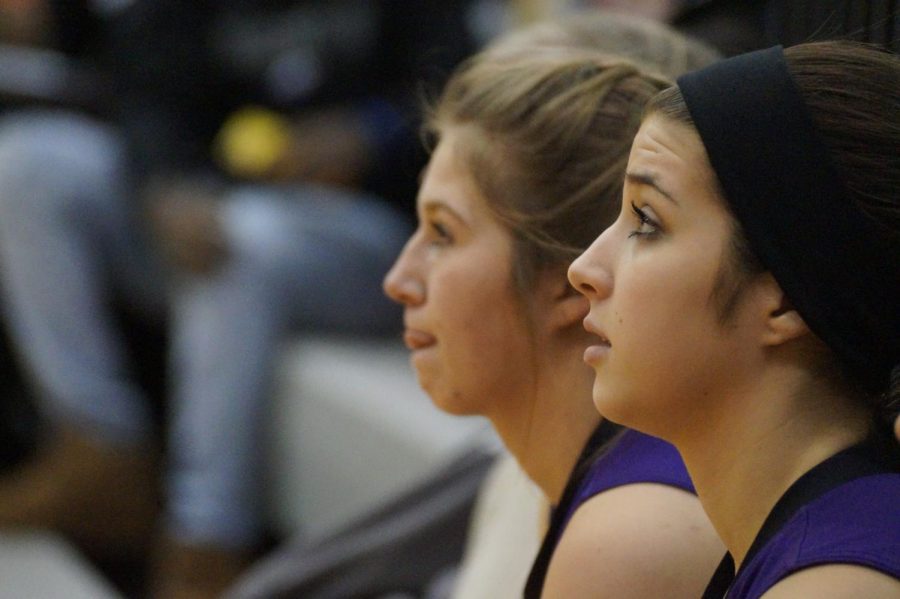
{"x":647,"y":227}
{"x":439,"y":233}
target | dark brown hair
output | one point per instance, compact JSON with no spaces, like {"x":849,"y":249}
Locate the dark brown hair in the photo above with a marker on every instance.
{"x":852,"y":92}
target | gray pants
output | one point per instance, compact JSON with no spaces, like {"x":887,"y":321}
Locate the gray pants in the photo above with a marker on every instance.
{"x":308,"y":259}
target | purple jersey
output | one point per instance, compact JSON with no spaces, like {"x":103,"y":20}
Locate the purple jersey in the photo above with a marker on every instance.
{"x":856,"y":523}
{"x":633,"y":458}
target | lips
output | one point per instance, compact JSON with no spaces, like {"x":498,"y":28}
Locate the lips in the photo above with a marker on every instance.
{"x":590,"y":328}
{"x":603,"y":341}
{"x":596,"y":352}
{"x":415,"y":339}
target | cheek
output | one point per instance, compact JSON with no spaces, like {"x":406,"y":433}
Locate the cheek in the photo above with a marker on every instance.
{"x":480,"y":338}
{"x":663,"y":333}
{"x":489,"y":336}
{"x":666,"y":294}
{"x":467,"y":300}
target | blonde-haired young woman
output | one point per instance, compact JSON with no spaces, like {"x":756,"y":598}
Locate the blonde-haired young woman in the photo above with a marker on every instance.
{"x":531,"y":143}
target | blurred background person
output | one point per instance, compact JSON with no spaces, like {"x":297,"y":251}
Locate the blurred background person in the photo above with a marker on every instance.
{"x":244,"y":174}
{"x":737,"y":26}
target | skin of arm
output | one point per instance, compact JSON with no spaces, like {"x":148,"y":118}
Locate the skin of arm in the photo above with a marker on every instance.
{"x":836,"y":581}
{"x":635,"y":541}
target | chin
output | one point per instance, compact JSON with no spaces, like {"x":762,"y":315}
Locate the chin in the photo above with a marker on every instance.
{"x":600,"y":393}
{"x":453,"y":404}
{"x":634,"y":412}
{"x":614,"y":406}
{"x":450,"y":400}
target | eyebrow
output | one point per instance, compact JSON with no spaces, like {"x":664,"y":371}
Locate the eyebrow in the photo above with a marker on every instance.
{"x":649,"y":180}
{"x":432,"y":205}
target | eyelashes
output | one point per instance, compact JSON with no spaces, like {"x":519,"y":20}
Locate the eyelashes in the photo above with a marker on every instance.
{"x":647,"y":227}
{"x":440,"y":234}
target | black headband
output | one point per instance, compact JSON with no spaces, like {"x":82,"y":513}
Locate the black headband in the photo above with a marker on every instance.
{"x":840,"y":269}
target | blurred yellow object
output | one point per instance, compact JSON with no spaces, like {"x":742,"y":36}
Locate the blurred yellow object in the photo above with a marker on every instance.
{"x":252,"y":141}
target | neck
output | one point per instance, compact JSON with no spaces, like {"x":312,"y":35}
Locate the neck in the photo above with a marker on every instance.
{"x":547,"y":430}
{"x":760,"y":441}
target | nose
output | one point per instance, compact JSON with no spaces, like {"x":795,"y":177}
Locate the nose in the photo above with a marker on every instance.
{"x":400,"y":283}
{"x":589,"y":274}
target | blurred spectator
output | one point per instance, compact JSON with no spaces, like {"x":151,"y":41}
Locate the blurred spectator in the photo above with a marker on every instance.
{"x":737,"y":26}
{"x":250,"y":245}
{"x":791,"y":22}
{"x":730,"y":26}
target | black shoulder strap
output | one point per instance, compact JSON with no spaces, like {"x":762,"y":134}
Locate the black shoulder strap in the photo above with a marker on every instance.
{"x":601,"y":435}
{"x":846,"y":466}
{"x":721,"y":580}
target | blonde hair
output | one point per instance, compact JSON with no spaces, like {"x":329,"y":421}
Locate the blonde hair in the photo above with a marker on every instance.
{"x":547,"y":116}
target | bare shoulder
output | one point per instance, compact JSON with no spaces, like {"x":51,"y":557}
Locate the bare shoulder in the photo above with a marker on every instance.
{"x":836,"y":581}
{"x":639,"y":540}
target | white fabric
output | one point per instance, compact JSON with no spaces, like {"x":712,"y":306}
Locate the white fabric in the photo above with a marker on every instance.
{"x":504,"y":536}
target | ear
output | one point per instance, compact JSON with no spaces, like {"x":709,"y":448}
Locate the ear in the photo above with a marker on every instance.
{"x":562,"y":305}
{"x":782,"y":322}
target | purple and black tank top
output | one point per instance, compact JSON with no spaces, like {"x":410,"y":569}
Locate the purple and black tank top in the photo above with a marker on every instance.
{"x":846,"y":510}
{"x":633,"y":458}
{"x":855,"y":523}
{"x":630,"y":458}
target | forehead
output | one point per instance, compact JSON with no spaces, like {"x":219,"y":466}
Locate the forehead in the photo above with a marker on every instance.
{"x":673,"y":154}
{"x":448,"y":181}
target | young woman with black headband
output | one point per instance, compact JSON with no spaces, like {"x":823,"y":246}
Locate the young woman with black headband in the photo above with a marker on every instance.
{"x":747,"y":301}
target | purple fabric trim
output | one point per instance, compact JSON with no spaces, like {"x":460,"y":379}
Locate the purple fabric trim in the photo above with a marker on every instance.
{"x":633,"y":458}
{"x":857,"y":523}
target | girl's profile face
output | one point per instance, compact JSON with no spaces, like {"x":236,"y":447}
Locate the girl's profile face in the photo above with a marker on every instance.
{"x":649,"y":279}
{"x":463,"y":323}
